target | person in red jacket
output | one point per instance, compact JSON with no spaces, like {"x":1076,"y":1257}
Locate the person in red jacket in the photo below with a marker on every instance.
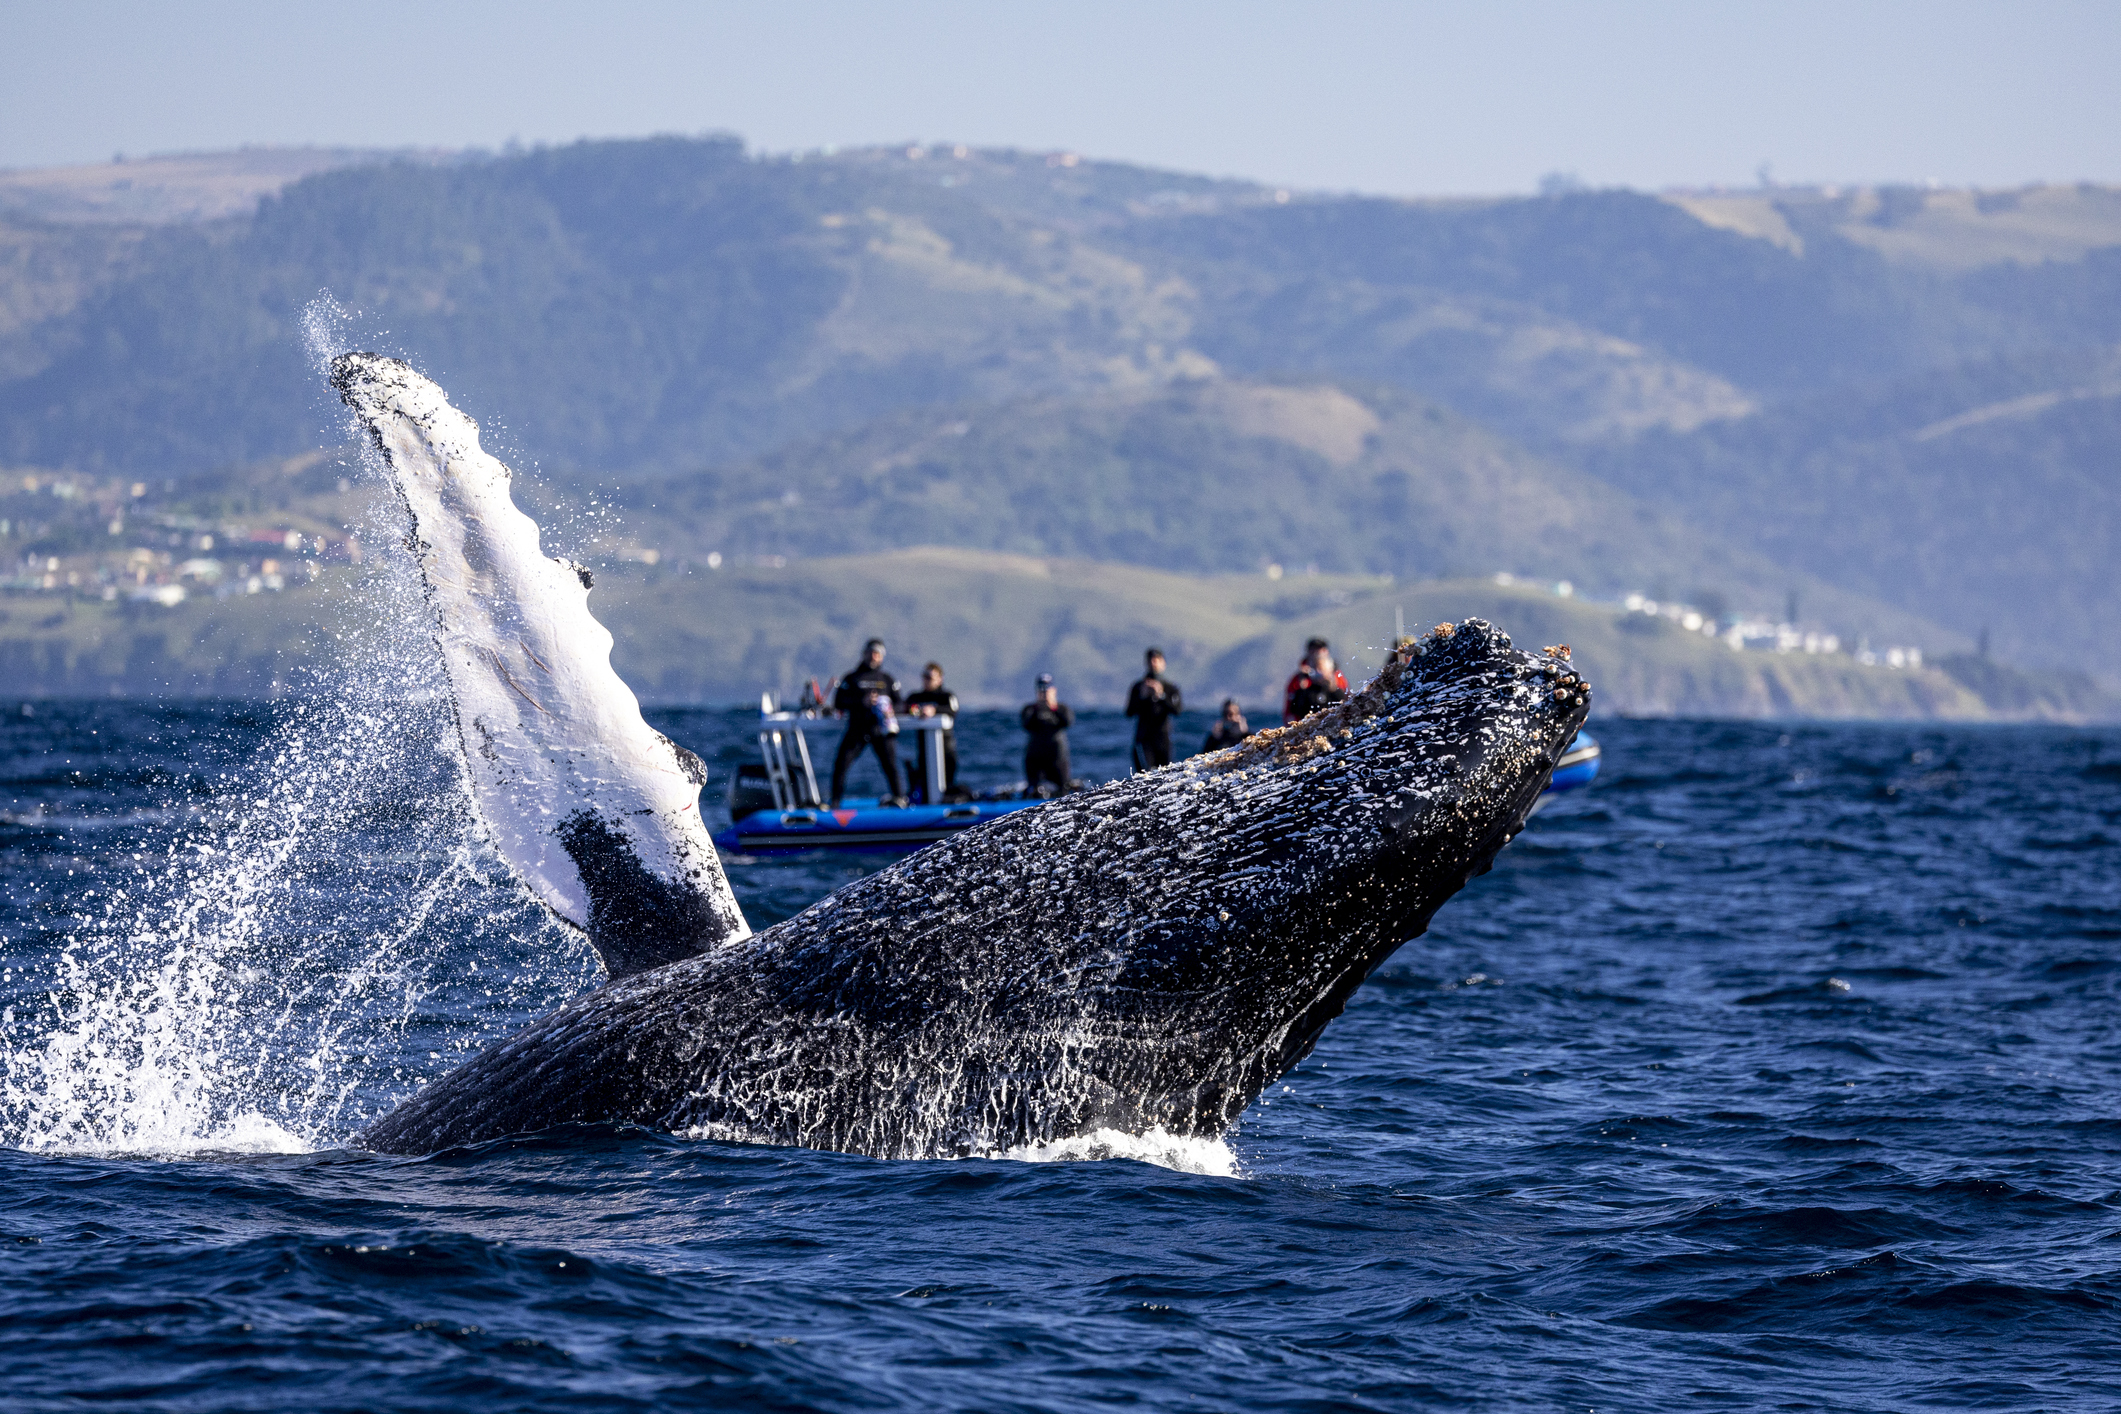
{"x":1316,"y":684}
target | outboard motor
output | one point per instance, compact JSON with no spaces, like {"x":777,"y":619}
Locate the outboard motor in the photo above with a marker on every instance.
{"x":749,"y":791}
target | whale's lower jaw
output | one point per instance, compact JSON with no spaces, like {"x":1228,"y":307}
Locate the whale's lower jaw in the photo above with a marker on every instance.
{"x":974,"y":1109}
{"x":1153,"y":953}
{"x":700,"y":1049}
{"x":816,"y":1082}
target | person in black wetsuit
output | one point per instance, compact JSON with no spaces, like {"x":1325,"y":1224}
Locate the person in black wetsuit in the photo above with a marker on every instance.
{"x":1046,"y":754}
{"x":934,"y":700}
{"x":1152,"y":703}
{"x":868,"y":699}
{"x":1229,"y":728}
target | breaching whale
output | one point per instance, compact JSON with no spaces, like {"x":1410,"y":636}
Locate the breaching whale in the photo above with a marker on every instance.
{"x":1151,"y":953}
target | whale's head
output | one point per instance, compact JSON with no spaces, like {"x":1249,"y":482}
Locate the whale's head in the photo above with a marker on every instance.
{"x":1320,"y":848}
{"x":1417,"y":780}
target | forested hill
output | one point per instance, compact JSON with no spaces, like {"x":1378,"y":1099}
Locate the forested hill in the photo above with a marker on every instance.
{"x":1219,"y":477}
{"x":1989,"y":494}
{"x":617,"y":311}
{"x":671,"y":303}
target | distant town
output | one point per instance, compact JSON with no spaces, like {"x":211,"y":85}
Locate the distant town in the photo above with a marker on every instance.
{"x":81,"y":537}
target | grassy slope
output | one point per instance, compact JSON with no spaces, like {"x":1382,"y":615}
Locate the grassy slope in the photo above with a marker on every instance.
{"x":635,"y":306}
{"x":654,"y":304}
{"x":1948,"y":230}
{"x":253,"y":645}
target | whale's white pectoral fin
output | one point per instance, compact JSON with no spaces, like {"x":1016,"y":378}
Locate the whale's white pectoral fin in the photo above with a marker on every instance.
{"x":596,"y":811}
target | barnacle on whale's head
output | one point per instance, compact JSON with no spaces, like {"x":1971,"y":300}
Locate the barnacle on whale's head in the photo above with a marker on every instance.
{"x":1472,"y":655}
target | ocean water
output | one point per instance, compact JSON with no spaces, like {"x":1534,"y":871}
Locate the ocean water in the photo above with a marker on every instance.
{"x":1778,"y":1070}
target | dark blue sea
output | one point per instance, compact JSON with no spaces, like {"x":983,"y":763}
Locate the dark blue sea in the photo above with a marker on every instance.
{"x":1779,"y":1070}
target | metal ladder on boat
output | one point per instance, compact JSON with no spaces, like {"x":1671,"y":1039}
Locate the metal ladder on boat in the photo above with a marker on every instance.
{"x":787,"y":756}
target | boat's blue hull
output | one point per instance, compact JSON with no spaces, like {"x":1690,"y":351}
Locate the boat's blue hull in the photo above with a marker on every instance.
{"x":858,"y":825}
{"x":1578,"y":766}
{"x":865,"y":825}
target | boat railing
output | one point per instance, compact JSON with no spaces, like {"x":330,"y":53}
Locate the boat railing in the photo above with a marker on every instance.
{"x":793,"y":776}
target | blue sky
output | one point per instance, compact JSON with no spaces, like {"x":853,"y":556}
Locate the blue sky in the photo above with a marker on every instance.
{"x":1334,"y":94}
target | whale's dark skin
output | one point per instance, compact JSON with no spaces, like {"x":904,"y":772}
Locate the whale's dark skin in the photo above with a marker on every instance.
{"x":1155,"y":952}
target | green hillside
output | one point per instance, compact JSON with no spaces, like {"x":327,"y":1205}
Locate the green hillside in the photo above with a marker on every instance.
{"x":996,"y":621}
{"x":667,"y":302}
{"x":1342,"y":494}
{"x":613,"y":305}
{"x":1228,"y":476}
{"x":1627,"y":265}
{"x":1983,"y":497}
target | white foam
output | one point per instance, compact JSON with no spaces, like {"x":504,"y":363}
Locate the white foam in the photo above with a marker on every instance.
{"x":1178,"y":1152}
{"x":237,"y":989}
{"x":253,"y":1133}
{"x":246,"y":1133}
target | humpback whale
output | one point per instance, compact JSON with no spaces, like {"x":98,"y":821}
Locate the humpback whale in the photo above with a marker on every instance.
{"x":1153,"y":952}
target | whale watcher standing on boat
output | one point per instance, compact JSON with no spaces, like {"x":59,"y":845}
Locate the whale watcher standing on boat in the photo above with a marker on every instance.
{"x":869,"y":699}
{"x":932,"y":699}
{"x":1152,"y":702}
{"x":1229,"y":729}
{"x":1046,"y":720}
{"x":1317,"y":683}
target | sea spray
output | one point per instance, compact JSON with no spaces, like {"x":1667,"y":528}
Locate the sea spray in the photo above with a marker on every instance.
{"x":252,"y":983}
{"x":250,"y":987}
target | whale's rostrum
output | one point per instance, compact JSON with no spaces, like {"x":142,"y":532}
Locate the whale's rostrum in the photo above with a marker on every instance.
{"x":1151,"y":953}
{"x":594,"y":810}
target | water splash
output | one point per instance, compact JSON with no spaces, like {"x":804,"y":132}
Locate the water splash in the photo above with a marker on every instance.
{"x":264,"y":983}
{"x":326,"y":331}
{"x":257,"y":986}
